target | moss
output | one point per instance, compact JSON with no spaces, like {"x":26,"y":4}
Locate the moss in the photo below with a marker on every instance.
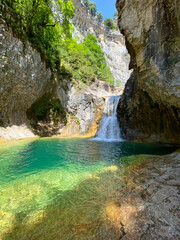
{"x":1,"y":123}
{"x":150,"y":101}
{"x":46,"y":106}
{"x":74,"y":118}
{"x":172,"y":61}
{"x":95,"y":110}
{"x":174,"y":43}
{"x":152,"y":83}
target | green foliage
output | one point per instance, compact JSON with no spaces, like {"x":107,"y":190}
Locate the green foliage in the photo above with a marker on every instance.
{"x":109,"y":23}
{"x":152,"y":82}
{"x":149,"y":99}
{"x":118,"y":83}
{"x":92,"y":8}
{"x":86,"y":3}
{"x":44,"y":106}
{"x":115,"y":16}
{"x":84,"y":61}
{"x":100,"y":16}
{"x":174,"y":43}
{"x":35,"y":21}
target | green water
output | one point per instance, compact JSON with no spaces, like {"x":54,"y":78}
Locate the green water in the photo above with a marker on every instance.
{"x":53,"y":179}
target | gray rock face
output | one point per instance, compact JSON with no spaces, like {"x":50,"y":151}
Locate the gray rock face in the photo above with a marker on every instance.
{"x":23,"y":79}
{"x":84,"y":103}
{"x":149,"y":203}
{"x":152,"y":110}
{"x":112,"y":42}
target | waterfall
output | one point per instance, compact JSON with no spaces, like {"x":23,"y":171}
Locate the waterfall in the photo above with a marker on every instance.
{"x":109,"y":127}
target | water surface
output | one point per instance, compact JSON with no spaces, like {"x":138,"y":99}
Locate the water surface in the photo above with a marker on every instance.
{"x":58,"y":188}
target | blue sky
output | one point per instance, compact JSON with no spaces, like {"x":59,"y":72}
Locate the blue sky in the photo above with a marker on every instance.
{"x":107,"y":7}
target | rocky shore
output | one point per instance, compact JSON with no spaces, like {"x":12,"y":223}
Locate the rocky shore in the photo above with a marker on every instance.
{"x":149,"y":204}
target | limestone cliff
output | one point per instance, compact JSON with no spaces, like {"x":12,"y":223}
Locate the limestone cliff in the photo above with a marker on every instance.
{"x":35,"y":101}
{"x":69,"y":110}
{"x":85,"y":104}
{"x":111,"y":42}
{"x":150,"y":106}
{"x":23,"y":79}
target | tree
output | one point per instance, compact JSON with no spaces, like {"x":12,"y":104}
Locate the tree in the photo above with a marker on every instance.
{"x":35,"y":21}
{"x":85,"y":61}
{"x":115,"y":16}
{"x":100,"y":16}
{"x":109,"y":23}
{"x":92,"y":8}
{"x":86,"y":3}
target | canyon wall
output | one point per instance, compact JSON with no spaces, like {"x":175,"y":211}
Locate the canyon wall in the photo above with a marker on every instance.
{"x":85,"y":104}
{"x":150,"y":106}
{"x":112,"y":42}
{"x":23,"y":79}
{"x":33,"y":101}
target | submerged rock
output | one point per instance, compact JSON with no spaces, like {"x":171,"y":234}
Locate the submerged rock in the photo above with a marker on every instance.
{"x":150,"y":106}
{"x":139,"y":201}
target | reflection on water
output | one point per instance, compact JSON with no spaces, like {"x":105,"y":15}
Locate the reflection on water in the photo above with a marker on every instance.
{"x":61,"y":188}
{"x":32,"y":157}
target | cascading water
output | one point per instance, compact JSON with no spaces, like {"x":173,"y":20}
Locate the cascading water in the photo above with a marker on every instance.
{"x":109,"y":127}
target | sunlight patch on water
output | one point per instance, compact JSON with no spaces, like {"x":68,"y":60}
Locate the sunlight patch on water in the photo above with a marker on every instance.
{"x":79,"y":205}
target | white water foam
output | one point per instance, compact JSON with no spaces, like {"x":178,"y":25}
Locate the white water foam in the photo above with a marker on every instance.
{"x":109,"y":129}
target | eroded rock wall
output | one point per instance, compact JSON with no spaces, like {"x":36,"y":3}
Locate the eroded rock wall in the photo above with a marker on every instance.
{"x":70,"y":110}
{"x":85,"y":104}
{"x":26,"y":83}
{"x":150,"y":106}
{"x":111,"y":42}
{"x":23,"y":79}
{"x":35,"y":102}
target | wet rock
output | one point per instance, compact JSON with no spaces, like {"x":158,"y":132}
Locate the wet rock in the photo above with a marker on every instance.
{"x":85,"y":103}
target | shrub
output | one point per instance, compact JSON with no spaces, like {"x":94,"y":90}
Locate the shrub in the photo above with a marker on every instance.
{"x":100,"y":16}
{"x":92,"y":8}
{"x":85,"y":61}
{"x":44,"y":107}
{"x":35,"y":21}
{"x":86,"y":3}
{"x":115,"y":16}
{"x":109,"y":23}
